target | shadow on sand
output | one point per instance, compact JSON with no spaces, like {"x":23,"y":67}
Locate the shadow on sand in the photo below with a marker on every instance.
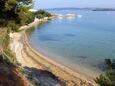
{"x":43,"y":77}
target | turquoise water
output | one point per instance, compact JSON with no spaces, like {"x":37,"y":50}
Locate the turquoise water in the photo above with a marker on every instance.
{"x":81,"y":43}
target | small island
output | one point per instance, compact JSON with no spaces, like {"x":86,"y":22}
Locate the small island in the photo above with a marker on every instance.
{"x":104,"y":9}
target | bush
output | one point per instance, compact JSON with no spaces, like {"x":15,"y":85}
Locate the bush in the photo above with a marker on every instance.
{"x":4,"y":43}
{"x":4,"y":40}
{"x":110,"y":63}
{"x":15,"y":13}
{"x":107,"y":79}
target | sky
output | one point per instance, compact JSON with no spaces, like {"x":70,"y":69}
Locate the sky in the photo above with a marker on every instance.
{"x":43,"y":4}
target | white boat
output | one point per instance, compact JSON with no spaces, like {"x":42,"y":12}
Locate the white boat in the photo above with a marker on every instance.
{"x":68,"y":16}
{"x":60,"y":16}
{"x":79,"y":16}
{"x":71,"y":15}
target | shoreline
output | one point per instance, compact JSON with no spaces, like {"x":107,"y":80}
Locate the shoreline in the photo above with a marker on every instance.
{"x":79,"y":69}
{"x":29,"y":57}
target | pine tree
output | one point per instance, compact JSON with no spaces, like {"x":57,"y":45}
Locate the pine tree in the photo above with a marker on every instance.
{"x":14,"y":13}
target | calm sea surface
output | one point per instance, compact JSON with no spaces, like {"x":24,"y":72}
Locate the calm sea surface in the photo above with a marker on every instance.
{"x":81,"y":43}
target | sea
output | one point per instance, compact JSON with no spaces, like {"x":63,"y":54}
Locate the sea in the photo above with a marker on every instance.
{"x":81,"y":43}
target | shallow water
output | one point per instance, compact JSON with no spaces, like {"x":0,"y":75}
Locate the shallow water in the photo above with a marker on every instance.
{"x":81,"y":43}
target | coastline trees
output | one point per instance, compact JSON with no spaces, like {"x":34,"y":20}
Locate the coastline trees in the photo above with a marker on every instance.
{"x":41,"y":14}
{"x":14,"y":13}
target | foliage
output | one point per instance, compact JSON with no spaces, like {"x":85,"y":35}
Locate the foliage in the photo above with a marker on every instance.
{"x":9,"y":55}
{"x":14,"y":13}
{"x":110,"y":63}
{"x":41,"y":14}
{"x":4,"y":40}
{"x":107,"y":79}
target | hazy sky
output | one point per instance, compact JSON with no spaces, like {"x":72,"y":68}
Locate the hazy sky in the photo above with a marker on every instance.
{"x":73,"y":3}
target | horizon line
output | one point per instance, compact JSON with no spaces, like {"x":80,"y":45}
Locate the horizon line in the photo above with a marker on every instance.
{"x":79,"y":8}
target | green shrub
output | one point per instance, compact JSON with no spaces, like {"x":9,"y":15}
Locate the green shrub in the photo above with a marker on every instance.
{"x":14,"y":13}
{"x":4,"y":43}
{"x":4,"y":40}
{"x":110,"y":63}
{"x":9,"y":55}
{"x":107,"y":79}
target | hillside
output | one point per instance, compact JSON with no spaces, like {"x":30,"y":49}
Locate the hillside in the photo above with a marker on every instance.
{"x":10,"y":74}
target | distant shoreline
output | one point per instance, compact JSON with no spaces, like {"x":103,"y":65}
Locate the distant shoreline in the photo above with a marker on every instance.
{"x":85,"y":9}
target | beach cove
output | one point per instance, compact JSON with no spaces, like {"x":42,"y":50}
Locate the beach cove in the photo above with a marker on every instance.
{"x":27,"y":56}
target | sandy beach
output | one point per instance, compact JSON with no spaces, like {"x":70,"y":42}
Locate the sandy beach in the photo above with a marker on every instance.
{"x":29,"y":57}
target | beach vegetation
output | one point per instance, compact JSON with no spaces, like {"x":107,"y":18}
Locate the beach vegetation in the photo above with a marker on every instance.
{"x":110,"y":63}
{"x":14,"y":13}
{"x":9,"y":55}
{"x":4,"y":43}
{"x":4,"y":39}
{"x":108,"y":78}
